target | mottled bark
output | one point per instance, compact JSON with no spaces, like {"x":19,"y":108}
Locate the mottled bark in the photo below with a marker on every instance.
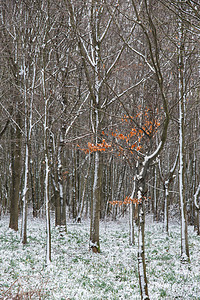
{"x":95,"y":206}
{"x":141,"y":252}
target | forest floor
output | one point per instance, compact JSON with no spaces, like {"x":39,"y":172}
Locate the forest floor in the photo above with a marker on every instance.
{"x":76,"y":273}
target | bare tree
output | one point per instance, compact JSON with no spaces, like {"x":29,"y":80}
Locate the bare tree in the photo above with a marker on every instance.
{"x":11,"y":40}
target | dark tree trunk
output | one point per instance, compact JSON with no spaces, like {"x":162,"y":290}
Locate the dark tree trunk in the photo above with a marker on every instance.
{"x":16,"y":173}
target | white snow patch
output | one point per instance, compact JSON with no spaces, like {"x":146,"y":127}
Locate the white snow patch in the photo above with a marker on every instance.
{"x":76,"y":273}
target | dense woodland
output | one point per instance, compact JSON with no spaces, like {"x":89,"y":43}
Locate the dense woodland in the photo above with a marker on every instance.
{"x":100,"y":114}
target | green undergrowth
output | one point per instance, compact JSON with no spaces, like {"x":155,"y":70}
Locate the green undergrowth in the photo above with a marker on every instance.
{"x":76,"y":273}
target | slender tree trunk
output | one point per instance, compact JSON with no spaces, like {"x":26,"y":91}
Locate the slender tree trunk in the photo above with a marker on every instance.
{"x":166,"y":206}
{"x":46,"y":181}
{"x":57,"y":205}
{"x":54,"y":178}
{"x":155,"y":205}
{"x":184,"y":234}
{"x":74,"y":186}
{"x":197,"y":221}
{"x":132,"y":217}
{"x":84,"y":192}
{"x":26,"y":166}
{"x":47,"y":206}
{"x":28,"y":107}
{"x":60,"y":183}
{"x":141,"y":252}
{"x":33,"y":188}
{"x":16,"y":173}
{"x":197,"y":208}
{"x":24,"y":198}
{"x":140,"y":186}
{"x":131,"y":224}
{"x":38,"y":189}
{"x":95,"y":206}
{"x":166,"y":180}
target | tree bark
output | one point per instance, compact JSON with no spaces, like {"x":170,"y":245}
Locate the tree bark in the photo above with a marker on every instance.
{"x":95,"y":207}
{"x":182,"y":194}
{"x":141,"y":252}
{"x":16,"y":172}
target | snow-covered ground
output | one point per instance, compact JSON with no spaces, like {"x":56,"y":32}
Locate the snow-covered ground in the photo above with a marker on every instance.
{"x":76,"y":273}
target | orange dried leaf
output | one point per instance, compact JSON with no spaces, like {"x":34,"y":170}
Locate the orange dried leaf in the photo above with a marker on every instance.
{"x":121,"y":136}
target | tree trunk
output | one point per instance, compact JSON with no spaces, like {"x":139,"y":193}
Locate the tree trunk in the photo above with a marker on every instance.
{"x":197,"y":208}
{"x":197,"y":221}
{"x":84,"y":192}
{"x":24,"y":197}
{"x":95,"y":206}
{"x":74,"y":186}
{"x":184,"y":234}
{"x":155,"y":204}
{"x":166,"y":206}
{"x":60,"y":184}
{"x":33,"y":189}
{"x":131,"y":223}
{"x":48,"y":225}
{"x":141,"y":252}
{"x":57,"y":206}
{"x":46,"y":181}
{"x":16,"y":173}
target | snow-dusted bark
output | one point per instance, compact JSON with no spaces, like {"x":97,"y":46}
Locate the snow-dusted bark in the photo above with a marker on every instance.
{"x":78,"y":113}
{"x":62,"y":204}
{"x":166,"y":205}
{"x":54,"y":177}
{"x":197,"y":209}
{"x":166,"y":180}
{"x":141,"y":252}
{"x":182,"y":195}
{"x":196,"y":197}
{"x":184,"y":235}
{"x":155,"y":196}
{"x":131,"y":224}
{"x":91,"y":56}
{"x":95,"y":207}
{"x":28,"y":132}
{"x":24,"y":199}
{"x":11,"y":60}
{"x":132,"y":216}
{"x":46,"y":181}
{"x":26,"y":167}
{"x":48,"y":227}
{"x":141,"y":173}
{"x":140,"y":190}
{"x":90,"y":41}
{"x":150,"y":156}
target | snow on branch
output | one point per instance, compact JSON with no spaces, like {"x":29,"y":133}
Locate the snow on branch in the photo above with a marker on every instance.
{"x":196,"y":196}
{"x":10,"y":117}
{"x":77,"y":114}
